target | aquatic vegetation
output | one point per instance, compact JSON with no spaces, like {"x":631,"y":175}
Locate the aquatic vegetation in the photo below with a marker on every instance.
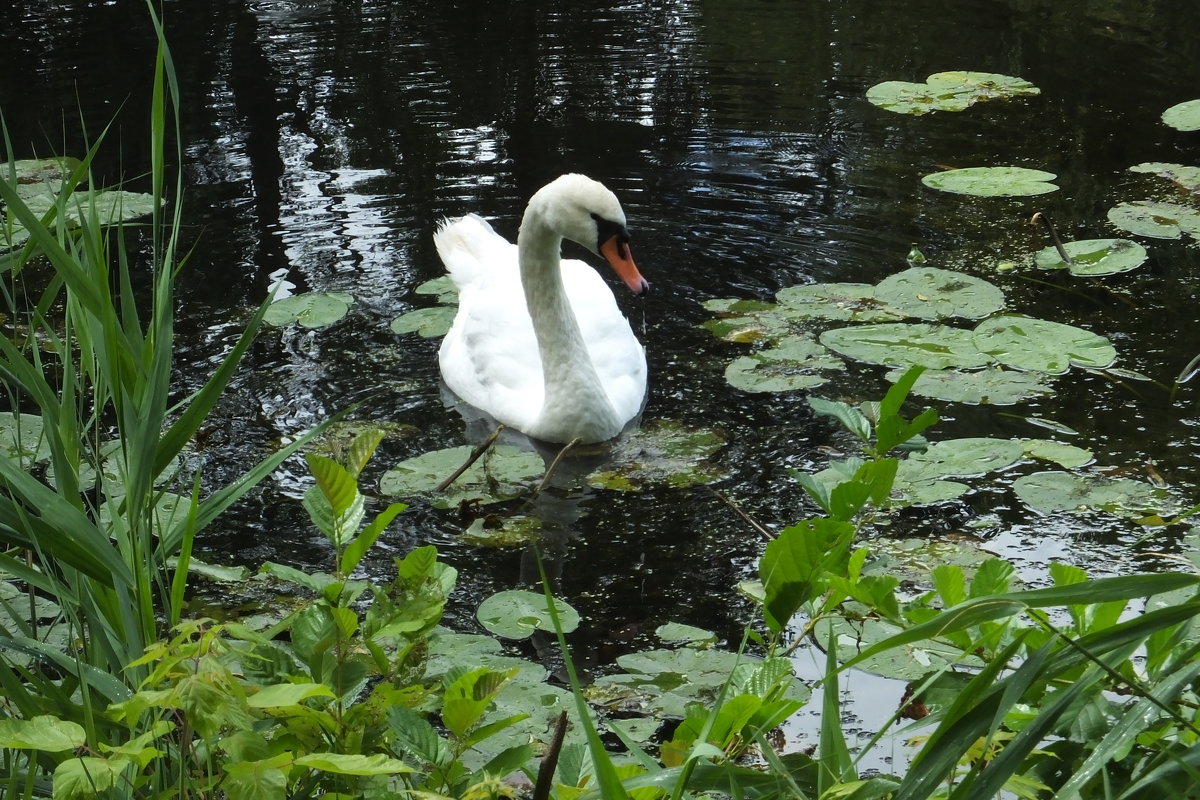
{"x":948,"y":91}
{"x":310,"y":309}
{"x":1183,"y":116}
{"x":433,"y":321}
{"x":1093,"y":258}
{"x":992,"y":181}
{"x":1155,"y":219}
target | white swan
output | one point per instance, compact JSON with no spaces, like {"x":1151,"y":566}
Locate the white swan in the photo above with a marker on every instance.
{"x":538,"y":342}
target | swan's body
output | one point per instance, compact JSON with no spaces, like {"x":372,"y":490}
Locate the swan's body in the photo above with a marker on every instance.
{"x":539,"y":343}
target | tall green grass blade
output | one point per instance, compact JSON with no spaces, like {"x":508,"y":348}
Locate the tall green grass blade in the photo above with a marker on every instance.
{"x":836,"y":766}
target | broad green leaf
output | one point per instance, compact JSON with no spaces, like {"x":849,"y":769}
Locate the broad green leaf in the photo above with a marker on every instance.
{"x":260,"y":779}
{"x":678,"y":632}
{"x":353,"y":764}
{"x":311,"y":309}
{"x":430,"y":322}
{"x":788,"y":366}
{"x":1042,"y":346}
{"x":335,"y":482}
{"x":45,"y":733}
{"x":516,"y":614}
{"x":931,"y":293}
{"x":1155,"y":219}
{"x":442,"y":287}
{"x":850,"y":417}
{"x":1183,"y":116}
{"x":502,"y":474}
{"x":468,"y":696}
{"x":900,"y":344}
{"x":1094,"y":257}
{"x":794,"y":564}
{"x":947,"y":91}
{"x":961,"y":458}
{"x":287,"y":694}
{"x":87,"y":777}
{"x":989,"y":386}
{"x":912,"y":661}
{"x":1067,"y":456}
{"x":22,"y":439}
{"x":992,"y":181}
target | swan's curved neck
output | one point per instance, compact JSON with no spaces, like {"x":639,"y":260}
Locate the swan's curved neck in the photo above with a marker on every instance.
{"x":575,"y":401}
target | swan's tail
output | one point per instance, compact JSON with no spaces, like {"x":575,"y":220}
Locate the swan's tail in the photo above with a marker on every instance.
{"x":466,"y":246}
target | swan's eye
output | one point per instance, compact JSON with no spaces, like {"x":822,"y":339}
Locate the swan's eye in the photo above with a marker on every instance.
{"x":607,"y":229}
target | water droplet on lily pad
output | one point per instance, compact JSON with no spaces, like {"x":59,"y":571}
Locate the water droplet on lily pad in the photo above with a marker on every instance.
{"x":502,"y":474}
{"x":1154,"y":219}
{"x":310,"y":310}
{"x":1041,"y":345}
{"x":1094,"y":257}
{"x":1183,"y":116}
{"x":661,"y":453}
{"x":992,"y":181}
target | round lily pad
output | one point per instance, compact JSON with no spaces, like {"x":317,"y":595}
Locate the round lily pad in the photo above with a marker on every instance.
{"x":311,"y":309}
{"x":1183,"y":116}
{"x":661,"y":453}
{"x":961,"y":458}
{"x":932,"y":293}
{"x":1094,"y":257}
{"x":756,"y":321}
{"x":1154,"y":219}
{"x":840,"y":302}
{"x":1049,"y":492}
{"x":992,"y":181}
{"x":787,"y":366}
{"x":1067,"y":456}
{"x":22,"y":439}
{"x":1042,"y":346}
{"x":906,"y":97}
{"x":429,"y":322}
{"x":1187,"y":177}
{"x":443,"y":288}
{"x":899,"y":344}
{"x":516,"y":614}
{"x":502,"y":474}
{"x":996,"y":386}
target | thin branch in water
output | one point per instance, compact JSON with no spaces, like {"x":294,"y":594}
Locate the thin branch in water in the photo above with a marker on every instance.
{"x":766,"y":534}
{"x":545,"y":776}
{"x":475,"y":455}
{"x":554,"y":464}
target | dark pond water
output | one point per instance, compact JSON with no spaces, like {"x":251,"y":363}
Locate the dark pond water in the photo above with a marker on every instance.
{"x":328,"y":139}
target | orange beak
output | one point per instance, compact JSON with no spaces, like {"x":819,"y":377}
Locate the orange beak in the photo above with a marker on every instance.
{"x":616,"y":253}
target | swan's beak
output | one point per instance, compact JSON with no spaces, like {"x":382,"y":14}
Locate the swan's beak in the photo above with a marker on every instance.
{"x":616,"y":253}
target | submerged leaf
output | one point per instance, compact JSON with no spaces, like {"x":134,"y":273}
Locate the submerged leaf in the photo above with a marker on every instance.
{"x":992,"y":181}
{"x":1187,"y":177}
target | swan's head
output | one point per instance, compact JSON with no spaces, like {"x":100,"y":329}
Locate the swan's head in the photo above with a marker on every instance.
{"x":585,"y":211}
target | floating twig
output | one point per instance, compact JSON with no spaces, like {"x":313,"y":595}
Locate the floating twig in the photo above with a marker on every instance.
{"x":554,"y":464}
{"x":479,"y":451}
{"x":766,"y":534}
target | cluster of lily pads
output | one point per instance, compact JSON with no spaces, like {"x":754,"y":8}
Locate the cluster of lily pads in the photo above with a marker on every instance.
{"x":39,"y":184}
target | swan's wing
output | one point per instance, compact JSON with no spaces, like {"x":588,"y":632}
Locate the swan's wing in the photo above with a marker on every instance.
{"x":472,"y":250}
{"x":616,"y":353}
{"x":490,"y":357}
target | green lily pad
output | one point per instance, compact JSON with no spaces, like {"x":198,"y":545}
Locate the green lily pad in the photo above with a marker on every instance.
{"x":931,"y":293}
{"x":899,"y":344}
{"x":1042,"y":346}
{"x":788,"y":366}
{"x":429,"y":322}
{"x":1154,"y":219}
{"x":443,"y":288}
{"x":516,"y":614}
{"x":1187,"y":177}
{"x":1067,"y":456}
{"x":36,"y":175}
{"x":22,"y":439}
{"x":661,"y":453}
{"x":994,"y":386}
{"x":689,"y":634}
{"x":961,"y":458}
{"x":1049,"y":492}
{"x":1183,"y":116}
{"x":1094,"y":257}
{"x":947,"y":91}
{"x":311,"y":309}
{"x":169,"y":510}
{"x":992,"y":181}
{"x":502,"y":474}
{"x":839,"y":302}
{"x":746,"y":321}
{"x":907,"y":663}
